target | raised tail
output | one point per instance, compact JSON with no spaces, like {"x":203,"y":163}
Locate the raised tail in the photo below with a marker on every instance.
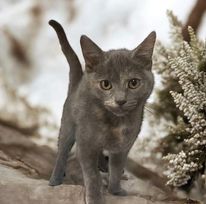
{"x":76,"y":72}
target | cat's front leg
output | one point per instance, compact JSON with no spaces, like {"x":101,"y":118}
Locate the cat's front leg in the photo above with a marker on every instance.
{"x":116,"y":168}
{"x":88,"y":159}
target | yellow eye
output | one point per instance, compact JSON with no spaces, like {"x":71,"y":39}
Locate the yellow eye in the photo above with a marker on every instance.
{"x":134,"y":83}
{"x":105,"y":84}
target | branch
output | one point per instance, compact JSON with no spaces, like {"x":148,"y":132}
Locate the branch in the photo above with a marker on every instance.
{"x":146,"y":174}
{"x":194,"y":18}
{"x":31,"y":130}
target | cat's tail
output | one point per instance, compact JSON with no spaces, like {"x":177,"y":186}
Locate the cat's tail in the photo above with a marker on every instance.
{"x":76,"y":72}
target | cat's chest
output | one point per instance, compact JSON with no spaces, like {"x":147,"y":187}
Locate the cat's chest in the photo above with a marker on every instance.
{"x":119,"y":132}
{"x":120,"y":137}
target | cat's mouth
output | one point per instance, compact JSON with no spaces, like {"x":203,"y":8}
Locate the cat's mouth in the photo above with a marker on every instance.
{"x":118,"y":111}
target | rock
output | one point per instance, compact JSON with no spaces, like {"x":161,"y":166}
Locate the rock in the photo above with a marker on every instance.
{"x":19,"y":189}
{"x":26,"y":167}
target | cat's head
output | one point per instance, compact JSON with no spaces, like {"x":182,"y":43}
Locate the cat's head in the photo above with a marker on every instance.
{"x":121,"y":79}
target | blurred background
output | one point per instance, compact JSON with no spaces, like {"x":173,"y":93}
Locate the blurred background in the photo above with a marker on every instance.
{"x":31,"y":61}
{"x":34,"y":72}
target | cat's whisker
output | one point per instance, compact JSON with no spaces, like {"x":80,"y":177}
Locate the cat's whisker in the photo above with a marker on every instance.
{"x":132,"y":103}
{"x":149,"y":109}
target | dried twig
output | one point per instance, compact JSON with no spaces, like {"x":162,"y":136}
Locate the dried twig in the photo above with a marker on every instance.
{"x":146,"y":174}
{"x":194,"y":18}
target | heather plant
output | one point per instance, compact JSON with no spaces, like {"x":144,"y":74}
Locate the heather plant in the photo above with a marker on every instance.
{"x":183,"y":70}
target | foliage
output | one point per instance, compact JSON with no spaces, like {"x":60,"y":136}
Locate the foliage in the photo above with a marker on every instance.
{"x":183,"y":70}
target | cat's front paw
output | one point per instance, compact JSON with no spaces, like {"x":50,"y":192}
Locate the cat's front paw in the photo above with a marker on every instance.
{"x":118,"y":192}
{"x":95,"y":200}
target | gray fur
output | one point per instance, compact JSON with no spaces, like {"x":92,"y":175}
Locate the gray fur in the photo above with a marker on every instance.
{"x":93,"y":117}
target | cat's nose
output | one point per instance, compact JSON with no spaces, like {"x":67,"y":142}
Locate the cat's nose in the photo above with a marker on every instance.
{"x":120,"y":102}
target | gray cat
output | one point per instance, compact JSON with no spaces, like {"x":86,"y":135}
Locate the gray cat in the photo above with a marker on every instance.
{"x":103,"y":110}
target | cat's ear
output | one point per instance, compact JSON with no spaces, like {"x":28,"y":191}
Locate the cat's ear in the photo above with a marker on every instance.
{"x":91,"y":52}
{"x":144,"y":51}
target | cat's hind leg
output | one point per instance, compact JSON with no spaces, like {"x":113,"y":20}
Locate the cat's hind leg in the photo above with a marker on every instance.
{"x":65,"y":143}
{"x":103,"y":162}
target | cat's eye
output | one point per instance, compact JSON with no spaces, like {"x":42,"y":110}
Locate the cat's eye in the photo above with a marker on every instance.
{"x":105,"y":84}
{"x":133,"y":83}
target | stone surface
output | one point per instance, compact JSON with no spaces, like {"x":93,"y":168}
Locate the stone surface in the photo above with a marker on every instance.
{"x":19,"y":189}
{"x":26,"y":167}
